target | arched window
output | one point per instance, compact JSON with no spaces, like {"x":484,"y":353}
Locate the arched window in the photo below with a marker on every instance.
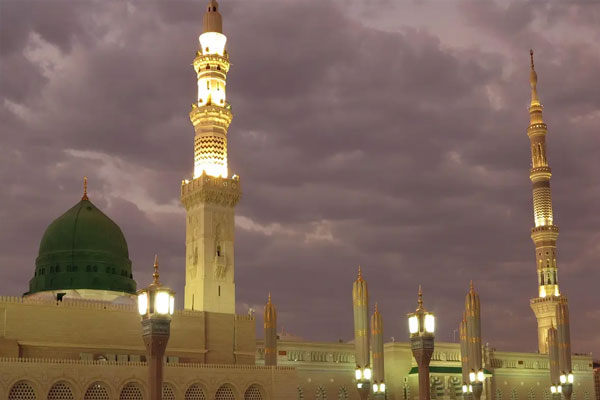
{"x":168,"y":393}
{"x":343,"y":393}
{"x":406,"y":392}
{"x":60,"y":391}
{"x":454,"y":388}
{"x":96,"y":391}
{"x":225,"y":392}
{"x":546,"y":394}
{"x":253,"y":393}
{"x":498,"y":394}
{"x":513,"y":394}
{"x":21,"y":391}
{"x":131,"y":391}
{"x":195,"y":392}
{"x":531,"y":394}
{"x":300,"y":393}
{"x":437,"y":388}
{"x":321,"y":393}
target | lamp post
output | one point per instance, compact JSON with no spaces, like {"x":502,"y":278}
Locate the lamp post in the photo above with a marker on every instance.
{"x":566,"y":383}
{"x":156,"y":305}
{"x":421,"y":325}
{"x":360,"y":305}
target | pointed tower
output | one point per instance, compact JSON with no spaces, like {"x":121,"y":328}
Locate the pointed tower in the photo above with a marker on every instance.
{"x":377,"y":350}
{"x":564,"y":339}
{"x":270,"y":333}
{"x":473,"y":327}
{"x":211,"y":196}
{"x":464,"y":355}
{"x":545,"y":233}
{"x":360,"y":302}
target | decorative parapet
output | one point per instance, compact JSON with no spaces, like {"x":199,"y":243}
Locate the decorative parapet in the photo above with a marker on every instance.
{"x":209,"y":189}
{"x":141,"y":364}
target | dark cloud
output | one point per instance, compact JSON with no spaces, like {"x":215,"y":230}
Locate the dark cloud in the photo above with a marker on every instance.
{"x":403,"y":150}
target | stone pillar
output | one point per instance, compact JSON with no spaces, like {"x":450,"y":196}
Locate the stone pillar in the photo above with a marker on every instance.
{"x":155,"y":332}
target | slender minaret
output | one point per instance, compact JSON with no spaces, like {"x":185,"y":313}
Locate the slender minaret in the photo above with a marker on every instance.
{"x":545,"y":233}
{"x":563,"y":339}
{"x":377,"y":347}
{"x":270,"y":333}
{"x":360,"y":302}
{"x":464,"y":356}
{"x":473,"y":323}
{"x":552,"y":343}
{"x":211,"y":196}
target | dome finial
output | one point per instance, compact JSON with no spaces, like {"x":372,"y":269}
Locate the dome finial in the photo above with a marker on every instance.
{"x":269,"y":298}
{"x":533,"y":82}
{"x":155,"y":275}
{"x":85,"y":196}
{"x":376,"y":310}
{"x":471,"y":288}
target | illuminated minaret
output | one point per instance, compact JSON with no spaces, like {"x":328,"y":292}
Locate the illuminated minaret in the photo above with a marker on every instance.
{"x":545,"y":233}
{"x":211,"y":196}
{"x":464,"y":356}
{"x":377,"y":351}
{"x":563,"y":338}
{"x":270,"y":333}
{"x":473,"y":331}
{"x":360,"y":303}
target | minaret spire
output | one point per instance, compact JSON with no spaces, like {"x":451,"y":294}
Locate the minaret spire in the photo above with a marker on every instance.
{"x":270,"y":325}
{"x":155,"y":274}
{"x":544,"y":233}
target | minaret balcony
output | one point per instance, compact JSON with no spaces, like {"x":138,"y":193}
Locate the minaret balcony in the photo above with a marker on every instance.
{"x":210,"y":189}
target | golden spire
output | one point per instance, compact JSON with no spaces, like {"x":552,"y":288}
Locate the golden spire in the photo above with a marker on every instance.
{"x":155,"y":275}
{"x":376,"y":310}
{"x":85,"y":196}
{"x":533,"y":82}
{"x":269,"y":298}
{"x":359,"y":278}
{"x":420,"y":300}
{"x":471,"y":288}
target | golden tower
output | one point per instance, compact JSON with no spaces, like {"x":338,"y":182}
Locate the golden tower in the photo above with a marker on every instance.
{"x":211,"y":196}
{"x":545,"y":233}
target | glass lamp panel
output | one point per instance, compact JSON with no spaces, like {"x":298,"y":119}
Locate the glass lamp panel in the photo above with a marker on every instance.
{"x":358,"y":374}
{"x":367,"y":373}
{"x":429,"y":323}
{"x":143,"y":303}
{"x":570,"y":378}
{"x":413,"y":324}
{"x":480,"y":376}
{"x":382,"y":387}
{"x":375,"y":387}
{"x":162,"y":302}
{"x":171,"y":304}
{"x":563,"y":379}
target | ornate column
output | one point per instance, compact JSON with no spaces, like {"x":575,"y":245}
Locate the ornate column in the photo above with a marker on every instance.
{"x":360,"y":303}
{"x":421,"y":325}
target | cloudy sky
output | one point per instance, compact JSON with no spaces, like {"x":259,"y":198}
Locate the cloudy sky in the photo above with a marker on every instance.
{"x":389,"y":134}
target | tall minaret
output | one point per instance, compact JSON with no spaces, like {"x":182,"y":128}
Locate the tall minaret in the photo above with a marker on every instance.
{"x":377,"y":348}
{"x":270,"y":333}
{"x":211,"y":196}
{"x":473,"y":329}
{"x":553,"y":355}
{"x":360,"y":302}
{"x":545,"y":233}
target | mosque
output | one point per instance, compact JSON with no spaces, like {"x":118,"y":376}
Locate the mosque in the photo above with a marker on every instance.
{"x":83,"y":280}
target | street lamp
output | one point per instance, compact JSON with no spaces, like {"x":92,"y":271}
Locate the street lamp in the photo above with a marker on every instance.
{"x":566,"y":383}
{"x":156,"y":304}
{"x":421,"y":325}
{"x":476,"y":379}
{"x":363,"y":381}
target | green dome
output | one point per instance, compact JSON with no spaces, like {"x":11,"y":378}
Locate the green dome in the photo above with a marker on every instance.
{"x":83,"y":249}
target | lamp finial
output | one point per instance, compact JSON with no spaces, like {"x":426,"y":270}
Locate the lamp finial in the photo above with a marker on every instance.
{"x":155,"y":275}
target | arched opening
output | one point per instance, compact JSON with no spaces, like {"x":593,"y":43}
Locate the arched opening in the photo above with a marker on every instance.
{"x":225,"y":392}
{"x":131,"y":391}
{"x":195,"y":392}
{"x":22,"y":391}
{"x":321,"y":393}
{"x":343,"y":393}
{"x":60,"y":391}
{"x":168,"y":392}
{"x":253,"y":393}
{"x":96,"y":391}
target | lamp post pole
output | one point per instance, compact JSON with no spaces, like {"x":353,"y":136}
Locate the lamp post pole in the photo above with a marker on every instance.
{"x":421,"y":325}
{"x":155,"y":305}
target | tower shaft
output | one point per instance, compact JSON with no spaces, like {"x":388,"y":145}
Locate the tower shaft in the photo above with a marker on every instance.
{"x":377,"y":346}
{"x":544,"y":233}
{"x":360,"y":303}
{"x":211,"y":196}
{"x":270,"y":326}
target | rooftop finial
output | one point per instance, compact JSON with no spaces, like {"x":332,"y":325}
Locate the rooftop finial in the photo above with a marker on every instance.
{"x":85,"y":196}
{"x":269,"y":299}
{"x":376,"y":310}
{"x":155,"y":275}
{"x":359,"y":278}
{"x":471,"y":288}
